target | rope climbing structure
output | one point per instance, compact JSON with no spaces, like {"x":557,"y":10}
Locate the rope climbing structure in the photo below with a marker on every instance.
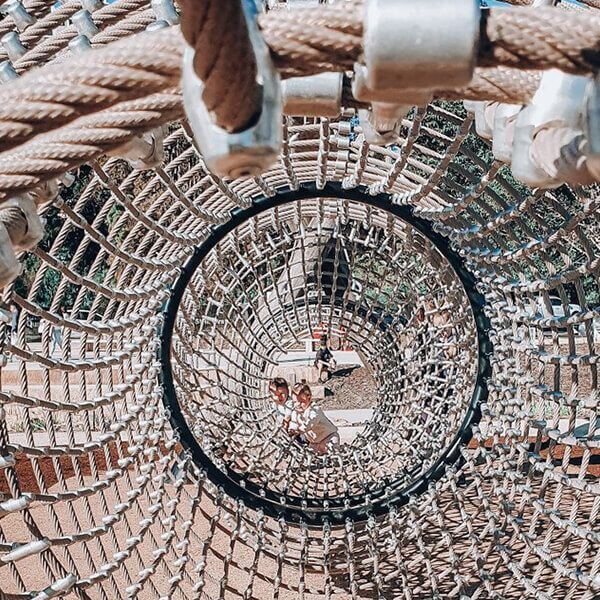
{"x":148,"y":302}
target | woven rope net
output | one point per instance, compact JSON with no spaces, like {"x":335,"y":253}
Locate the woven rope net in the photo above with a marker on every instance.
{"x":141,"y":454}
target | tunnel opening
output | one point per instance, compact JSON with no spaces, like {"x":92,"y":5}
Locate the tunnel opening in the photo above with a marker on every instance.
{"x":390,"y":298}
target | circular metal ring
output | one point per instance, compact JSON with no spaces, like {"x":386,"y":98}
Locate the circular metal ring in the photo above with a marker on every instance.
{"x":360,"y":507}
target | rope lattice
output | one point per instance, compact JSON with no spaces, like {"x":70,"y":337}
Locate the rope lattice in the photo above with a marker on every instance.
{"x":107,"y":492}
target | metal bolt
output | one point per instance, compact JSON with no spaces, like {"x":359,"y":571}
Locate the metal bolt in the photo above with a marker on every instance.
{"x":7,"y":72}
{"x":91,"y":5}
{"x":20,"y":15}
{"x":83,"y":22}
{"x":165,"y":11}
{"x":11,"y":42}
{"x":80,"y":44}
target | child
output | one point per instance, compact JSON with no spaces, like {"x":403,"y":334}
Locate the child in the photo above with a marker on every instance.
{"x":324,"y":361}
{"x":320,"y":433}
{"x":280,"y":392}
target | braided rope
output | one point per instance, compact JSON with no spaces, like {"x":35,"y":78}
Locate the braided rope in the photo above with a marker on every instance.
{"x":33,"y":7}
{"x":99,"y":499}
{"x":123,"y":71}
{"x":223,"y":59}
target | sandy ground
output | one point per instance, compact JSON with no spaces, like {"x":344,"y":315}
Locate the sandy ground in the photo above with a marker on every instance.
{"x":354,"y":391}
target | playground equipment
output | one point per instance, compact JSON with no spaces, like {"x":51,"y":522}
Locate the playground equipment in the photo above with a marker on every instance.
{"x":148,"y":297}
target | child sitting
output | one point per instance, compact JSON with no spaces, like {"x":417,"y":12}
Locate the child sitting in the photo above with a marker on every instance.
{"x":309,"y":420}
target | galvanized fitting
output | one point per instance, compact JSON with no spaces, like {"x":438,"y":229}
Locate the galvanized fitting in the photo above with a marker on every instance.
{"x":485,"y":113}
{"x":10,"y":267}
{"x":20,"y":15}
{"x":504,"y":129}
{"x":7,"y":72}
{"x":165,"y":11}
{"x":142,"y":152}
{"x":35,"y":228}
{"x":250,"y":152}
{"x":558,"y":103}
{"x":363,"y":92}
{"x":157,"y":25}
{"x":80,"y":44}
{"x":430,"y":44}
{"x":83,"y":22}
{"x":91,"y":5}
{"x":11,"y":42}
{"x":592,"y":115}
{"x":381,"y":129}
{"x":313,"y":96}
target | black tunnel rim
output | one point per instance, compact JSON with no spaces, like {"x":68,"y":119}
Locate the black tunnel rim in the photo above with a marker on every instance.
{"x":340,"y":509}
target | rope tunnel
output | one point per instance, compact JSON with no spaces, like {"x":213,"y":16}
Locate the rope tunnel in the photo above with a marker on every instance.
{"x":141,"y":452}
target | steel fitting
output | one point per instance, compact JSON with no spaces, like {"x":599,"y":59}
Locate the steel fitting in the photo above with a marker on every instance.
{"x":381,"y":124}
{"x":142,"y":152}
{"x":7,"y":72}
{"x":10,"y":267}
{"x":503,"y":132}
{"x":80,"y":44}
{"x":83,"y":22}
{"x":91,"y":5}
{"x":430,"y":44}
{"x":313,"y":96}
{"x":165,"y":11}
{"x":20,"y":15}
{"x":11,"y":42}
{"x":35,"y":228}
{"x":592,"y":115}
{"x":246,"y":153}
{"x":362,"y":91}
{"x":557,"y":104}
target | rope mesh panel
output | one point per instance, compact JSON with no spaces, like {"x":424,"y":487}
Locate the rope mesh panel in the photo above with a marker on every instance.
{"x":100,"y":497}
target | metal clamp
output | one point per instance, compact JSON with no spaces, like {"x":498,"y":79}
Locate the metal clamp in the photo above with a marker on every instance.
{"x":83,"y":22}
{"x":80,"y":44}
{"x":157,"y":25}
{"x":592,"y":115}
{"x":142,"y":152}
{"x":10,"y":267}
{"x":381,"y":125}
{"x":557,"y":104}
{"x":7,"y":72}
{"x":313,"y":96}
{"x":35,"y":227}
{"x":250,"y":152}
{"x":363,"y":92}
{"x":20,"y":15}
{"x":430,"y":44}
{"x":91,"y":5}
{"x":504,"y":130}
{"x":11,"y":42}
{"x":165,"y":11}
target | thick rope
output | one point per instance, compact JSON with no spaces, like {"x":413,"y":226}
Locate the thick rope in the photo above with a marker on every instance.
{"x":52,"y":154}
{"x":82,"y":85}
{"x":33,"y":7}
{"x":533,"y":38}
{"x":118,"y":13}
{"x":223,"y":60}
{"x":523,"y":38}
{"x":136,"y":67}
{"x":47,"y":24}
{"x":497,"y":84}
{"x":50,"y":97}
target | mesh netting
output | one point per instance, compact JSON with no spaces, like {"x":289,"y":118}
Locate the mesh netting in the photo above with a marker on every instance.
{"x":140,"y":451}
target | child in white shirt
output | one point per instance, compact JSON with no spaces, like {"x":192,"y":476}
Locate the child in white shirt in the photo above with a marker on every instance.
{"x":320,"y":433}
